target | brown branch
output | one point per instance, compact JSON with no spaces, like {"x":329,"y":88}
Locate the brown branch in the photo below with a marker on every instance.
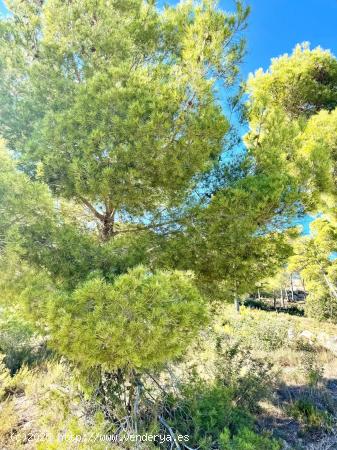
{"x":97,"y":214}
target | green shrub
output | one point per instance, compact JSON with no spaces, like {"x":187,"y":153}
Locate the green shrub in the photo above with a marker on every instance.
{"x":19,"y":343}
{"x":250,"y":378}
{"x":309,"y":365}
{"x":142,"y":320}
{"x":310,"y":415}
{"x":203,"y":409}
{"x":247,"y":439}
{"x":265,"y":331}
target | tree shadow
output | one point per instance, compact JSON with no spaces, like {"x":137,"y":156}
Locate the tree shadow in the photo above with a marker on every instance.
{"x":303,"y":416}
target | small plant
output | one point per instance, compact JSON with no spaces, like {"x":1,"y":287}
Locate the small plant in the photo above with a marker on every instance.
{"x":247,"y":439}
{"x":8,"y":421}
{"x":267,"y":331}
{"x":310,"y":367}
{"x":305,"y":411}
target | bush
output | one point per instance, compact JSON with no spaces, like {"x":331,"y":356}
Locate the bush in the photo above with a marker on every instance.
{"x":209,"y":411}
{"x":247,"y":439}
{"x":265,"y":331}
{"x":310,"y":415}
{"x":250,"y":378}
{"x":19,"y":343}
{"x":209,"y":415}
{"x":202,"y":411}
{"x":142,"y":320}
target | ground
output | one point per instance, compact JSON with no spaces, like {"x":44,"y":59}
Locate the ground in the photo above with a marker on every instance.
{"x":300,"y":409}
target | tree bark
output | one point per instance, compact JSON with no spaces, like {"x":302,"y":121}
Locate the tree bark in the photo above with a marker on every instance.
{"x":108,"y":225}
{"x":292,"y":287}
{"x":282,"y":299}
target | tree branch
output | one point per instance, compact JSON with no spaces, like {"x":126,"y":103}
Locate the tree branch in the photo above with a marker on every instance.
{"x":97,"y":214}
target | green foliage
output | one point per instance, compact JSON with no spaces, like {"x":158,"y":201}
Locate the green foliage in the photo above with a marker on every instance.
{"x":247,"y":439}
{"x":115,"y":189}
{"x":19,"y":343}
{"x":267,"y":331}
{"x":313,"y":258}
{"x":317,"y":146}
{"x":291,"y":113}
{"x":204,"y":411}
{"x":300,"y":84}
{"x":24,"y":203}
{"x":47,"y":401}
{"x":235,"y":239}
{"x":124,"y":99}
{"x":309,"y":365}
{"x":311,"y":416}
{"x":141,"y":320}
{"x":215,"y":412}
{"x":133,"y":135}
{"x":239,"y":368}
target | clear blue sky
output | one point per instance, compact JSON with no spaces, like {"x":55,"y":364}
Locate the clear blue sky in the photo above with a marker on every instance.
{"x":276,"y":26}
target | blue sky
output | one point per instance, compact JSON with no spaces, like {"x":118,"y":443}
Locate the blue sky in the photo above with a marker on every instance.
{"x":276,"y":26}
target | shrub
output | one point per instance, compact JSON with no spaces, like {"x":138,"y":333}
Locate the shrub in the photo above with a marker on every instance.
{"x":202,"y":411}
{"x":247,"y":439}
{"x":310,"y":415}
{"x":209,"y":411}
{"x":265,"y":331}
{"x":251,"y":378}
{"x":19,"y":343}
{"x":209,"y":415}
{"x":309,"y":364}
{"x":140,"y":321}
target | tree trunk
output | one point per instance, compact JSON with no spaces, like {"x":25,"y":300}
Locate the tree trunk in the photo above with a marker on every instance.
{"x":108,"y":225}
{"x":292,"y":287}
{"x":282,"y":299}
{"x":302,"y":279}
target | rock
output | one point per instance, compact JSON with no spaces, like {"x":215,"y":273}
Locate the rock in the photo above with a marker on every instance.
{"x":291,"y":334}
{"x":328,"y":342}
{"x":306,"y":334}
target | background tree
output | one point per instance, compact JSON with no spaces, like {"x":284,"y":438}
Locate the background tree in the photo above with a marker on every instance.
{"x":314,"y":258}
{"x":291,"y":113}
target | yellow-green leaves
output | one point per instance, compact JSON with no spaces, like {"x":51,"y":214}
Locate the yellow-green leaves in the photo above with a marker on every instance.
{"x":116,"y":101}
{"x":301,"y":84}
{"x":142,"y":320}
{"x":293,"y":121}
{"x":315,"y":258}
